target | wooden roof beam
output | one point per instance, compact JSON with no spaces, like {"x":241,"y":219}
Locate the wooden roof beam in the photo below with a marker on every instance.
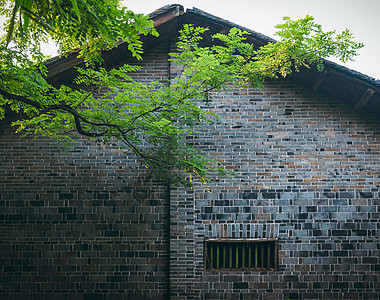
{"x":63,"y":65}
{"x":364,"y":99}
{"x":318,"y":81}
{"x":167,"y":16}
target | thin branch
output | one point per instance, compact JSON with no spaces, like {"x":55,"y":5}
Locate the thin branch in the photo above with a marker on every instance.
{"x":145,"y":113}
{"x":136,"y":150}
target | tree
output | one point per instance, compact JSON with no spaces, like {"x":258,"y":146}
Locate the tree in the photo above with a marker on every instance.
{"x":150,"y":120}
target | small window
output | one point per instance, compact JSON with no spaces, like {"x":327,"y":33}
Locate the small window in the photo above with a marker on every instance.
{"x":241,"y":254}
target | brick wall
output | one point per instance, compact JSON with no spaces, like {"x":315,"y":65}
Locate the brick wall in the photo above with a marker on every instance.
{"x":307,"y":172}
{"x":89,"y":224}
{"x":85,"y":223}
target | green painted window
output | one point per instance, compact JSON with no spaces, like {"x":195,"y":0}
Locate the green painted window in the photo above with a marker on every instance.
{"x":241,"y":254}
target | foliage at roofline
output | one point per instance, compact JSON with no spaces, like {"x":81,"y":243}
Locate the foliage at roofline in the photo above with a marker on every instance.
{"x":153,"y":121}
{"x":265,"y":39}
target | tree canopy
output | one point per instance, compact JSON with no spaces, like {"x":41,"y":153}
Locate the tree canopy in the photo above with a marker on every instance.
{"x":150,"y":120}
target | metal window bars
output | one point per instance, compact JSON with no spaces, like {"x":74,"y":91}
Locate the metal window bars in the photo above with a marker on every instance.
{"x":241,"y":254}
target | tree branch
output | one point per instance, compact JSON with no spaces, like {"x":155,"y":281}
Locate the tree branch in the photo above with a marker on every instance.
{"x":22,"y":99}
{"x":77,"y":117}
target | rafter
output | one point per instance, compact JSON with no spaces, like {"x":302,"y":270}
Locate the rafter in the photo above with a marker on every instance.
{"x":318,"y":81}
{"x":364,"y":99}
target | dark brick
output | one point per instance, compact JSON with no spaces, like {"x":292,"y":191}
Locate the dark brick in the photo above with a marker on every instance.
{"x":36,"y":203}
{"x":269,"y":195}
{"x":65,"y":210}
{"x":366,"y":195}
{"x":146,"y":254}
{"x":361,"y":285}
{"x":301,"y":216}
{"x":222,"y":202}
{"x":329,"y":195}
{"x":340,"y":232}
{"x":222,"y":216}
{"x":153,"y":202}
{"x":128,"y":254}
{"x":340,"y":285}
{"x":359,"y":232}
{"x":102,"y":196}
{"x":311,"y":208}
{"x":320,"y":253}
{"x":348,"y":246}
{"x":16,"y":217}
{"x":340,"y":253}
{"x":208,"y":210}
{"x":291,"y":278}
{"x":114,"y":233}
{"x":114,"y":278}
{"x":240,"y":285}
{"x":249,"y":195}
{"x":66,"y":196}
{"x":317,"y":232}
{"x":71,"y":217}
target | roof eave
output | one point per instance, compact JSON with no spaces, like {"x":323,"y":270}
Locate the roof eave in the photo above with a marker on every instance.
{"x":369,"y":85}
{"x":159,"y":17}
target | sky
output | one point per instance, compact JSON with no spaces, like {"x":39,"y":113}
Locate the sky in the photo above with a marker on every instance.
{"x":362,"y":17}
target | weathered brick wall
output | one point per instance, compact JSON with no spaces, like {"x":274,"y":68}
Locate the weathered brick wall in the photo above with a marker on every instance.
{"x":307,"y":172}
{"x":84,"y":223}
{"x":89,"y":224}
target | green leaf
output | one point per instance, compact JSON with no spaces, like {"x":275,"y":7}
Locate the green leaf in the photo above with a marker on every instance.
{"x":59,"y":8}
{"x":26,"y":5}
{"x":16,"y":7}
{"x":76,"y":9}
{"x":38,"y":19}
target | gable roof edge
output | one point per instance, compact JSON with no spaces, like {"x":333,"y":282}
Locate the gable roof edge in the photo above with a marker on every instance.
{"x":265,"y":39}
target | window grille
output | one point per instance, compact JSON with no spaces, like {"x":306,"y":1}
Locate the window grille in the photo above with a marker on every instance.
{"x":241,"y":254}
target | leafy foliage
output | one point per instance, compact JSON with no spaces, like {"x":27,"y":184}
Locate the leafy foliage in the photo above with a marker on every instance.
{"x":154,"y":121}
{"x":74,"y":25}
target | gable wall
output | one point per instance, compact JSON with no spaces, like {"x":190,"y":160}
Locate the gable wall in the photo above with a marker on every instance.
{"x":307,"y":173}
